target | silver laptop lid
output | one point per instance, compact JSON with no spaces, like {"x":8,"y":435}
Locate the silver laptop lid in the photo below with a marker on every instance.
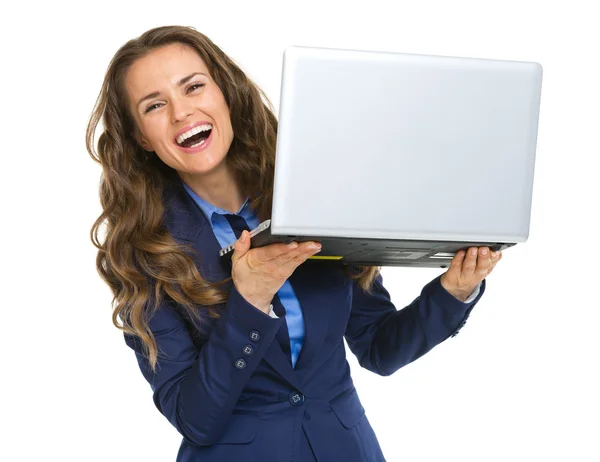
{"x":405,"y":146}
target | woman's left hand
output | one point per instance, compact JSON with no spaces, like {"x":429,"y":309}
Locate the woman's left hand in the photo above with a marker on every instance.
{"x":465,"y":273}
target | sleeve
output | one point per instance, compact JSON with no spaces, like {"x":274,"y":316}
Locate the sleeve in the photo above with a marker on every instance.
{"x":385,"y":339}
{"x":197,"y":389}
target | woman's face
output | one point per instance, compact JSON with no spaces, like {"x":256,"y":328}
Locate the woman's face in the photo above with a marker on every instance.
{"x":170,"y":91}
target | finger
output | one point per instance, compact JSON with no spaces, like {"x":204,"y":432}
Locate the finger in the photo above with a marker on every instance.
{"x":496,"y":256}
{"x":304,"y":248}
{"x":240,"y":247}
{"x":289,"y":266}
{"x":470,"y":262}
{"x":457,"y":261}
{"x":269,"y":252}
{"x":483,"y":262}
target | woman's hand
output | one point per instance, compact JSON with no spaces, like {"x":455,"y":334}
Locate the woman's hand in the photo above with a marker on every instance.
{"x":466,"y":272}
{"x":259,"y":273}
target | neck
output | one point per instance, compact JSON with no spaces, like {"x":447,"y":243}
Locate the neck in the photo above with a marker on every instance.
{"x":217,"y":188}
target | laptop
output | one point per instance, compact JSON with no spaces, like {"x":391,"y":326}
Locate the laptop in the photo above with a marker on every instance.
{"x":394,"y":159}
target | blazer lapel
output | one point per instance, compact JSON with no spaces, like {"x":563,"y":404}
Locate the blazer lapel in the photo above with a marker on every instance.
{"x":187,"y":224}
{"x":282,"y":336}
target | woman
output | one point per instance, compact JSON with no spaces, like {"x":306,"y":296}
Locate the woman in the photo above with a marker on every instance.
{"x":245,"y":358}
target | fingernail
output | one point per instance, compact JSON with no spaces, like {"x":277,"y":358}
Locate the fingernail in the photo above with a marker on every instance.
{"x":473,"y":251}
{"x":314,"y":246}
{"x":293,"y":245}
{"x":484,"y":252}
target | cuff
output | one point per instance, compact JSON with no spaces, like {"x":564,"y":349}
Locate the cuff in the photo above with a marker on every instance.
{"x":438,"y":290}
{"x":246,"y":313}
{"x":474,"y":294}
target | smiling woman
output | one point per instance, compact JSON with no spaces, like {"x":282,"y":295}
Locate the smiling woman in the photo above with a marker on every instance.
{"x":188,"y":138}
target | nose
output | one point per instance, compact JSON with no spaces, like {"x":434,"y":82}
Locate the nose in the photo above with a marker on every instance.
{"x":180,"y":109}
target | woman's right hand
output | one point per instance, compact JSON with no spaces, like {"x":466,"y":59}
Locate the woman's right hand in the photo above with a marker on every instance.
{"x":259,"y":273}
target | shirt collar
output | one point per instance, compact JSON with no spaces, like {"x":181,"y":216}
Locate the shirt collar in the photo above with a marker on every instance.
{"x":209,"y":209}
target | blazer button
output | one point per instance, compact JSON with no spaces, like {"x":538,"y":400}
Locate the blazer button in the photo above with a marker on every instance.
{"x":255,"y":336}
{"x":240,"y":363}
{"x":248,"y":350}
{"x":462,"y":324}
{"x":296,"y":398}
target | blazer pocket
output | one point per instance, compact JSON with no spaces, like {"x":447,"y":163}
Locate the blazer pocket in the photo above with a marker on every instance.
{"x":347,"y":408}
{"x":240,"y":429}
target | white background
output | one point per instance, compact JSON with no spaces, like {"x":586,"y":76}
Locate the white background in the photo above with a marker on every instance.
{"x":520,"y":381}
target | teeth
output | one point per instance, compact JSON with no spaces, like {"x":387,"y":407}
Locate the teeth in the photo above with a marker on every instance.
{"x":197,"y":144}
{"x":201,"y":128}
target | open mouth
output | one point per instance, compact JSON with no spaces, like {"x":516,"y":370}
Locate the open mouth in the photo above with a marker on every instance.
{"x":196,"y":139}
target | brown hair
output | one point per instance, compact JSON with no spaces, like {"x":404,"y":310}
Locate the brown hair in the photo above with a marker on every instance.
{"x":139,"y":259}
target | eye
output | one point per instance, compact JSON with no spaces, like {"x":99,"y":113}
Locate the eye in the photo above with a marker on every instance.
{"x":195,"y":85}
{"x":190,"y":88}
{"x":150,"y":108}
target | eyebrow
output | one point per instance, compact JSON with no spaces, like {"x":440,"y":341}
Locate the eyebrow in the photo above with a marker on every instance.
{"x":183,"y":81}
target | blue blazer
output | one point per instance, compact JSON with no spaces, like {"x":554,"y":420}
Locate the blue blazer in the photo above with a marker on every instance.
{"x":228,"y":386}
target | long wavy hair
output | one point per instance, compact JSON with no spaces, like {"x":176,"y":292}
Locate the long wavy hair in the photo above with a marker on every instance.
{"x":139,"y":259}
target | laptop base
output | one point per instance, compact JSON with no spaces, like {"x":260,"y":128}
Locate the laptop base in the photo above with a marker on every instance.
{"x":372,"y":252}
